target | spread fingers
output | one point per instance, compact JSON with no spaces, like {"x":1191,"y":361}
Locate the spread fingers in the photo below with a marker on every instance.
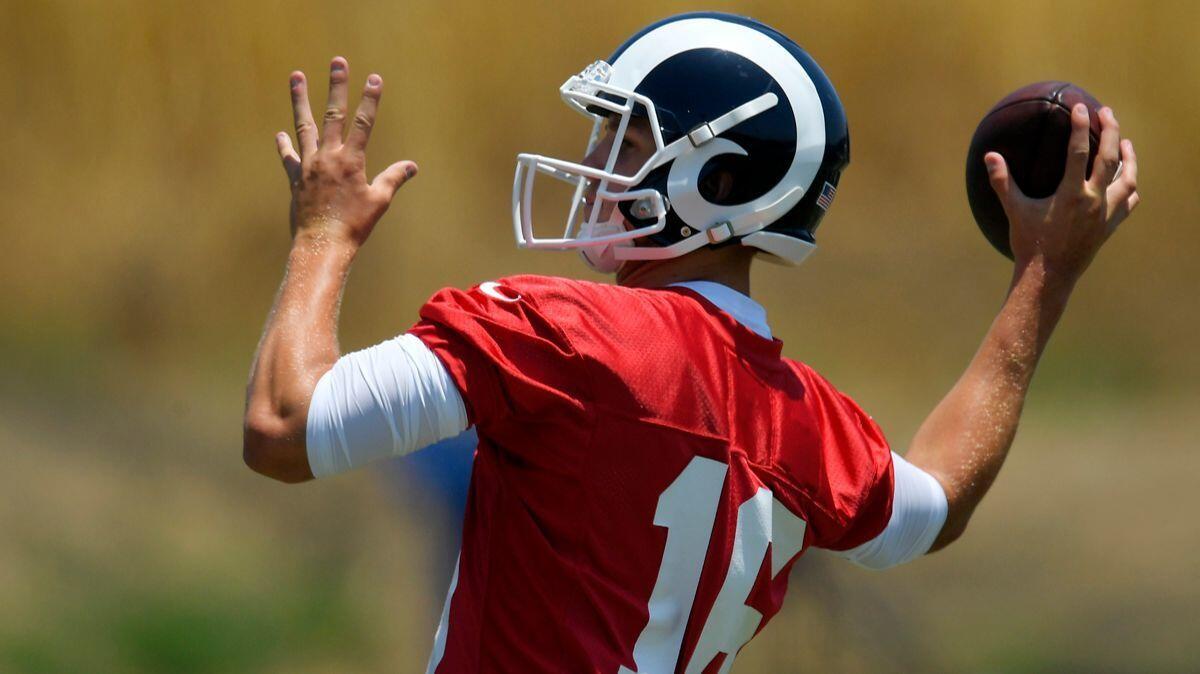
{"x":364,"y":118}
{"x":335,"y":110}
{"x":306,"y":129}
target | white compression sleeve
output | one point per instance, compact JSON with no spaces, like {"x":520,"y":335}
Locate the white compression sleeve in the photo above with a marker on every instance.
{"x":387,"y":400}
{"x":918,"y":512}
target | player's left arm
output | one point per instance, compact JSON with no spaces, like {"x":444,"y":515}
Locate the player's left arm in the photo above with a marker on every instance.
{"x":958,"y":451}
{"x":333,"y":211}
{"x":966,"y":438}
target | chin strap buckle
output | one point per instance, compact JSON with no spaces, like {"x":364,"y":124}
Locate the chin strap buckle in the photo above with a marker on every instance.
{"x":701,"y":135}
{"x":722,"y":231}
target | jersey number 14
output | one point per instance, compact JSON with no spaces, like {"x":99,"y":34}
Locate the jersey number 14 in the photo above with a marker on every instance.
{"x":687,"y":509}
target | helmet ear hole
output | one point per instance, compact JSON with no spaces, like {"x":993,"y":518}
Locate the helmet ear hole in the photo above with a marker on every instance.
{"x":716,"y":185}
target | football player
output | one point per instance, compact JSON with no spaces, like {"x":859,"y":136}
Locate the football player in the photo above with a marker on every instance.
{"x":649,"y":465}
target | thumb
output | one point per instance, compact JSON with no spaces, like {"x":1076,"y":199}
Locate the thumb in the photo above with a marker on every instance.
{"x":1001,"y":180}
{"x":998,"y":175}
{"x":393,"y":177}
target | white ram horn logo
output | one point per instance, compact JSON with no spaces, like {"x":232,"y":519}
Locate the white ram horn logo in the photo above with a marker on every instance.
{"x":683,"y":186}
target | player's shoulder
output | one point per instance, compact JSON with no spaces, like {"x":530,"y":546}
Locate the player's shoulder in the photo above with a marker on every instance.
{"x":558,"y":287}
{"x":819,"y":391}
{"x":599,"y":318}
{"x":531,"y":299}
{"x":834,"y":407}
{"x":806,"y":373}
{"x":575,"y":296}
{"x":845,"y":470}
{"x":538,"y":288}
{"x":509,"y":290}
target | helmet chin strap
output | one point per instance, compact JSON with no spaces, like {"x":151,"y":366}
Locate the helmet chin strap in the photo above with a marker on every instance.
{"x":744,"y":224}
{"x":603,"y":257}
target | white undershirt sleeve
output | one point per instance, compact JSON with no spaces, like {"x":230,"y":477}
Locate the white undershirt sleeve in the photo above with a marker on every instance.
{"x":918,"y":512}
{"x":387,"y":400}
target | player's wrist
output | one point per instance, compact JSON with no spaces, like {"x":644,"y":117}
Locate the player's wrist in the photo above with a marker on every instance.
{"x":1044,"y":278}
{"x":324,"y":243}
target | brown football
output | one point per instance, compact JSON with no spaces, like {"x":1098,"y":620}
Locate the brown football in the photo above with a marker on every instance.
{"x":1029,"y":128}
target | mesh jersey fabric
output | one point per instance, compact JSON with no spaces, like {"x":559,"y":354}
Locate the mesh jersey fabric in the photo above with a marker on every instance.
{"x":590,"y":402}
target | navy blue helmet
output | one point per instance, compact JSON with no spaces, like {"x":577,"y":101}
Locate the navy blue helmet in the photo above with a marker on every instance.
{"x":721,"y":93}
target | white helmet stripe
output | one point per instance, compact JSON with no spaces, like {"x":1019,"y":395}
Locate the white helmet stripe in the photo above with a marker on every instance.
{"x":660,"y":44}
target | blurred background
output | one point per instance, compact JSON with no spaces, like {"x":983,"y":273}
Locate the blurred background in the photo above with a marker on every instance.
{"x":144,"y":230}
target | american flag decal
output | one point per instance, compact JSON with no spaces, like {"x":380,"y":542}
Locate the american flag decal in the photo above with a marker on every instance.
{"x":825,"y":199}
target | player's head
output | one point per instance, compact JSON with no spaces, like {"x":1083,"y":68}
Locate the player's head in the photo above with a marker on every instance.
{"x":744,"y":137}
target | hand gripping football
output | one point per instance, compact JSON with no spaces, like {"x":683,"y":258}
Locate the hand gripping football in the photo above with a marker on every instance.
{"x":1030,"y":128}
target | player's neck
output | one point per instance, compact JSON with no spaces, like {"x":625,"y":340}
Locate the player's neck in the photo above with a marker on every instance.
{"x":728,"y":266}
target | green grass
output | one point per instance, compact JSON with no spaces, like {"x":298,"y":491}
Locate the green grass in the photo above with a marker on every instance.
{"x":204,"y":628}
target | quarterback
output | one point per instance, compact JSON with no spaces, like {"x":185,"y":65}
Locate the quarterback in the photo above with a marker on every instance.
{"x":649,"y":465}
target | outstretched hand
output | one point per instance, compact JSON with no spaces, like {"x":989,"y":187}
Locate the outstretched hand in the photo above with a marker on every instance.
{"x":331,"y":197}
{"x":1067,"y":228}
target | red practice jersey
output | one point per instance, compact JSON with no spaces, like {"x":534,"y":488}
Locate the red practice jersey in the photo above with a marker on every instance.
{"x":648,"y":471}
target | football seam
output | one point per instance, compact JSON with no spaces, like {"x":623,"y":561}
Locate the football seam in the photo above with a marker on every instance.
{"x":1052,"y":99}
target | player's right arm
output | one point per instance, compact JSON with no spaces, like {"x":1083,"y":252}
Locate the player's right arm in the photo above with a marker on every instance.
{"x":965,"y":440}
{"x":334,"y":209}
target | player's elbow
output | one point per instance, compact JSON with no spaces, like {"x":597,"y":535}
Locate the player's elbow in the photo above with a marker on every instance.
{"x":956,"y":506}
{"x":272,"y":447}
{"x":958,"y":515}
{"x":950,"y":533}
